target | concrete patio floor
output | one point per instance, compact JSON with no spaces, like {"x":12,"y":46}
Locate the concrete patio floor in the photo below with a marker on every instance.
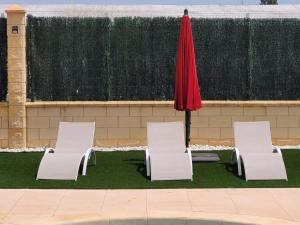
{"x":155,"y":207}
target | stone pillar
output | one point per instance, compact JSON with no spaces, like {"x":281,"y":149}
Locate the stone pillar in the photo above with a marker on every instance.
{"x":16,"y":67}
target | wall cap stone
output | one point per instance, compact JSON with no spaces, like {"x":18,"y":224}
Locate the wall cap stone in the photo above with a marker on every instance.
{"x":158,"y":103}
{"x":15,"y":9}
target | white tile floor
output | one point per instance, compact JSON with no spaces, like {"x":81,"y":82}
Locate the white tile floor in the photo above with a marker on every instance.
{"x":155,"y":207}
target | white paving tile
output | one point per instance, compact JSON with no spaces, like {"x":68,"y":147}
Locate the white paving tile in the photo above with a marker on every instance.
{"x":8,"y":199}
{"x":78,"y":196}
{"x":41,"y":197}
{"x":151,"y":207}
{"x":37,"y":202}
{"x":2,"y":216}
{"x":77,"y":209}
{"x":125,"y":203}
{"x":257,"y":202}
{"x":30,"y":220}
{"x":211,"y":200}
{"x":45,"y":210}
{"x":81,"y":202}
{"x":289,"y":200}
{"x":168,"y":202}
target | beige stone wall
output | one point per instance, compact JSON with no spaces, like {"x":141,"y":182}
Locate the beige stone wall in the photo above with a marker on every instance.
{"x":16,"y":68}
{"x":124,"y":123}
{"x":3,"y":125}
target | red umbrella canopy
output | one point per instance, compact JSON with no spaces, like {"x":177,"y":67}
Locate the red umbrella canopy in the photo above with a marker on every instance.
{"x":187,"y":92}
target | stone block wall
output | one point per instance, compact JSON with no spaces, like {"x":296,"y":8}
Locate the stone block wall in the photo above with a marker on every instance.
{"x":16,"y":67}
{"x":124,"y":123}
{"x":26,"y":124}
{"x":3,"y":125}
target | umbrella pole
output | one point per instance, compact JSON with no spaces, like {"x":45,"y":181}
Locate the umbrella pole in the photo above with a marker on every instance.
{"x":187,"y":127}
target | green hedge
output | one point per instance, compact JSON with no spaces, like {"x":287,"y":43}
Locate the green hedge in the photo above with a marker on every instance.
{"x":134,"y":58}
{"x":3,"y":60}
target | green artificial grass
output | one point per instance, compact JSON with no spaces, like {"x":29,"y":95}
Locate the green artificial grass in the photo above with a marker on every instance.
{"x":124,"y":170}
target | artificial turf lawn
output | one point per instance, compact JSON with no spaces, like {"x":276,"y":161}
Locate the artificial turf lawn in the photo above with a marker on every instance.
{"x":126,"y":170}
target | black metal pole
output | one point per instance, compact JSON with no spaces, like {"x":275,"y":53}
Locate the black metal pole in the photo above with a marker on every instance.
{"x":187,"y":113}
{"x":187,"y":127}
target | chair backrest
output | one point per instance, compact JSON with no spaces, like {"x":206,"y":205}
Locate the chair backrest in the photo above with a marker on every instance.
{"x":75,"y":137}
{"x":253,"y":137}
{"x":166,"y":137}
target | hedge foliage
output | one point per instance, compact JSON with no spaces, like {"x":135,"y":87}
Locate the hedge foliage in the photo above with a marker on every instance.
{"x":134,"y":58}
{"x":3,"y":59}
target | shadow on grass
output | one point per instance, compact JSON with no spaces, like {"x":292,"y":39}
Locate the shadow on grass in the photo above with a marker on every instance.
{"x":140,"y":166}
{"x":232,"y":168}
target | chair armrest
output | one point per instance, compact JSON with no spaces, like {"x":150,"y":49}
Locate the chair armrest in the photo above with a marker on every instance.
{"x":147,"y":161}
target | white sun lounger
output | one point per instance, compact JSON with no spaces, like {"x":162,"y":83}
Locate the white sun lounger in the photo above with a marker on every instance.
{"x":74,"y":143}
{"x":254,"y":147}
{"x":167,"y":157}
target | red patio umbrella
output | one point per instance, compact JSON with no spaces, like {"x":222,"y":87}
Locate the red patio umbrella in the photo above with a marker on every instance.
{"x":187,"y":93}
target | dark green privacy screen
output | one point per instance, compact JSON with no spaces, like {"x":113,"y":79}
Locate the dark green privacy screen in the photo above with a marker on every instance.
{"x":97,"y":59}
{"x":275,"y":59}
{"x":3,"y":60}
{"x":134,"y":58}
{"x":142,"y":58}
{"x":67,"y":58}
{"x":221,"y":47}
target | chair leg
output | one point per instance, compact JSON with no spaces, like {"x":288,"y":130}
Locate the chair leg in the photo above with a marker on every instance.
{"x":86,"y":158}
{"x":237,"y":157}
{"x":147,"y":159}
{"x":148,"y":166}
{"x":94,"y":155}
{"x":239,"y":164}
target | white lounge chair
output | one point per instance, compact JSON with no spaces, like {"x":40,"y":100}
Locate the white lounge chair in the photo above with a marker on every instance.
{"x":254,"y":148}
{"x":167,"y":157}
{"x":74,"y":143}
